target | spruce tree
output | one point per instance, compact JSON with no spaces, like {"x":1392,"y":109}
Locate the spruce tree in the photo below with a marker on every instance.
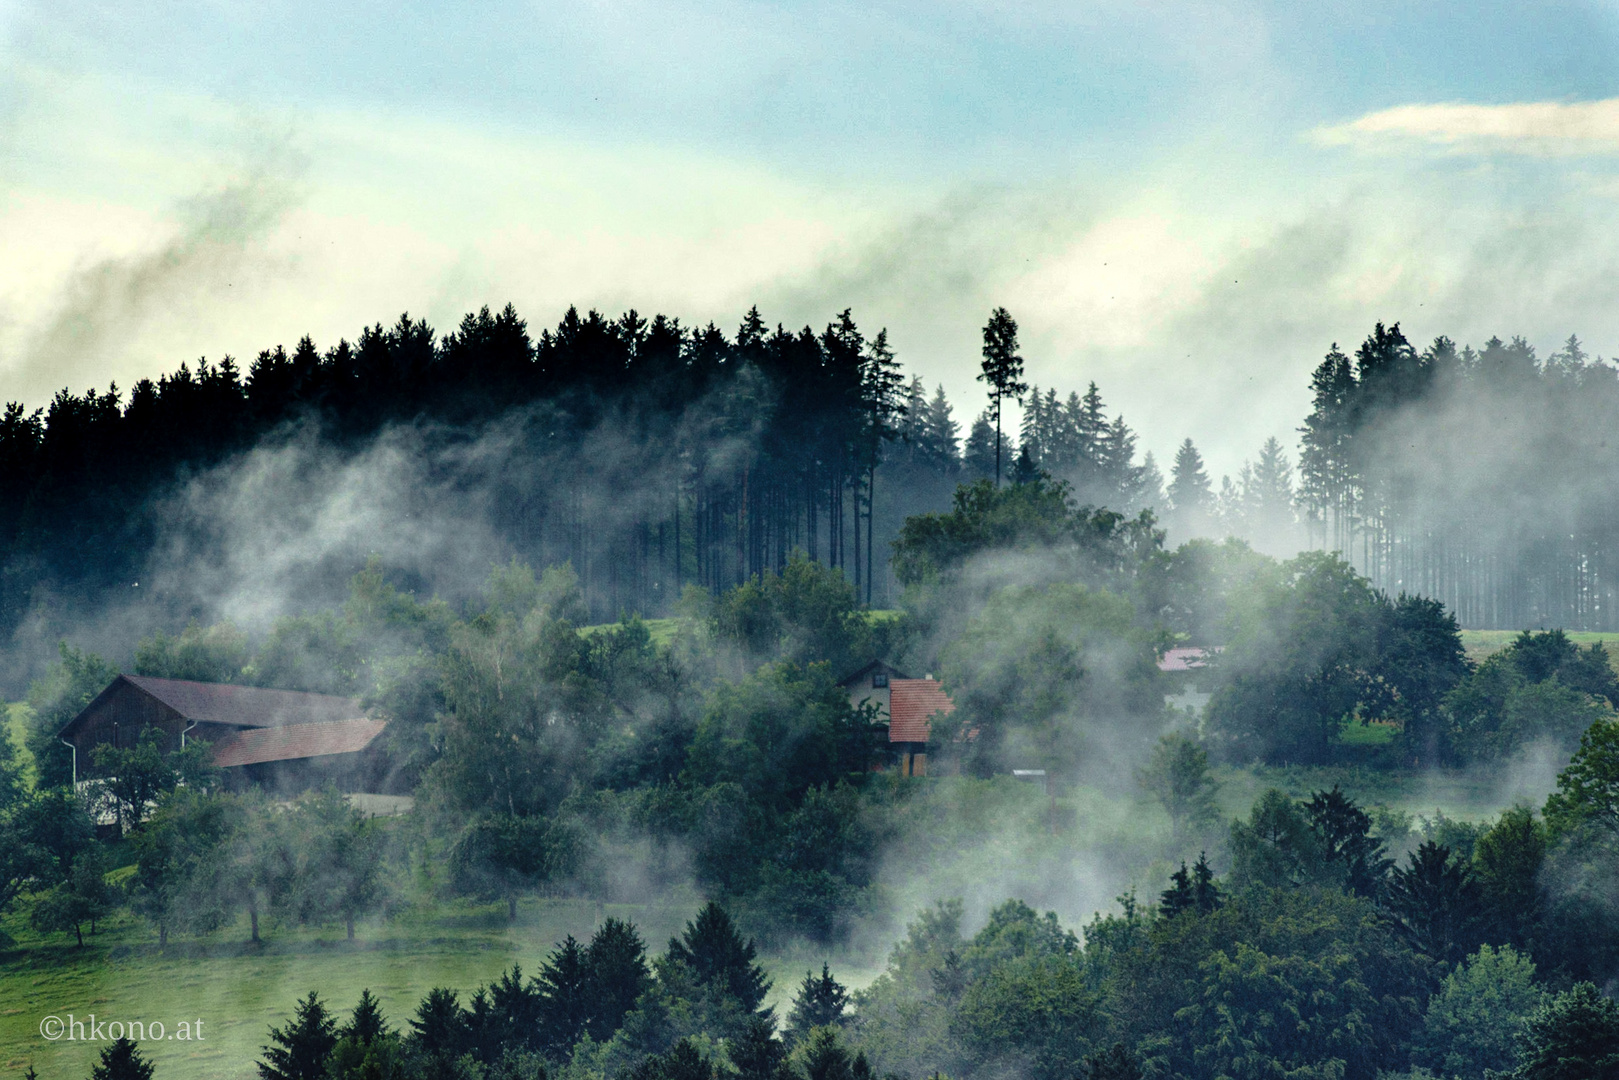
{"x":300,"y":1049}
{"x":1574,"y":1036}
{"x":757,"y":1054}
{"x":716,"y":954}
{"x":121,"y":1061}
{"x":1190,"y":495}
{"x":439,"y":1028}
{"x":565,"y":998}
{"x":366,"y":1023}
{"x":1002,"y":370}
{"x":819,"y":1003}
{"x":617,"y":974}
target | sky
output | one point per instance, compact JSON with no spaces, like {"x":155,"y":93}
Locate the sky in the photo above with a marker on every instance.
{"x":1187,"y":203}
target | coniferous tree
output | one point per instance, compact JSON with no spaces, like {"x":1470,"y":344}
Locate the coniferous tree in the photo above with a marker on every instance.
{"x":940,"y":435}
{"x":1002,"y":370}
{"x":301,"y":1047}
{"x":717,"y":955}
{"x":439,"y":1028}
{"x":819,"y":1003}
{"x":617,"y":973}
{"x":757,"y":1054}
{"x":1190,"y":496}
{"x":121,"y":1061}
{"x":566,"y":995}
{"x":978,"y":456}
{"x":1574,"y":1036}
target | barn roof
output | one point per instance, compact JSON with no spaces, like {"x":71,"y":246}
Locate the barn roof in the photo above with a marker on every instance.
{"x":911,"y":703}
{"x":236,"y":706}
{"x":255,"y":746}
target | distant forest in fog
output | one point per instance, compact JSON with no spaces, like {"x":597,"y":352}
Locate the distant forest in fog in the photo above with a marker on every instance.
{"x":653,"y":456}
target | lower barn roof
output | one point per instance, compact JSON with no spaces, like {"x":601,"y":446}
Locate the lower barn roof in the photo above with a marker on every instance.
{"x":258,"y":745}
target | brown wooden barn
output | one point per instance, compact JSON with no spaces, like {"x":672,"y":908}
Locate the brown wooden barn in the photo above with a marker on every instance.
{"x":283,"y":740}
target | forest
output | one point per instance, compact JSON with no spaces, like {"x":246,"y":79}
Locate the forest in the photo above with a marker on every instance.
{"x":637,"y":705}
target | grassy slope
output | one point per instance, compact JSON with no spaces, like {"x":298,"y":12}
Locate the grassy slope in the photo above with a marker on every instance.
{"x":1481,"y":643}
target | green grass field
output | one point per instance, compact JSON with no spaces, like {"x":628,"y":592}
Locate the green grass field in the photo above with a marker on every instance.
{"x":1481,"y":643}
{"x":238,"y":989}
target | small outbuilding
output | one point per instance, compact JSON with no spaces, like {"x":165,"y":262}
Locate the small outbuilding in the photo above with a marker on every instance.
{"x":283,"y":740}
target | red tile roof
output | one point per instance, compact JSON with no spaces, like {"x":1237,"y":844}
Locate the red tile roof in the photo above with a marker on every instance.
{"x":256,"y":745}
{"x":246,"y":706}
{"x":1186,"y":659}
{"x":911,"y":703}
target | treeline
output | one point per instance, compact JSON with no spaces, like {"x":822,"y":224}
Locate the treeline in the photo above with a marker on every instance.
{"x":1458,"y":950}
{"x":1480,"y":477}
{"x":647,"y":454}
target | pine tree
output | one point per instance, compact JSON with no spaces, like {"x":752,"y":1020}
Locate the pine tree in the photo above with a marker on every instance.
{"x":1205,"y":892}
{"x":616,"y":962}
{"x":1120,"y":475}
{"x":301,"y":1047}
{"x":757,"y":1054}
{"x":978,"y":457}
{"x":941,"y":435}
{"x":819,"y":1003}
{"x":1178,"y":898}
{"x":366,"y":1023}
{"x":439,"y":1028}
{"x":716,"y":954}
{"x":1574,"y":1036}
{"x":1002,"y":369}
{"x":565,"y":997}
{"x":122,"y":1061}
{"x":1152,"y":484}
{"x":1190,"y":497}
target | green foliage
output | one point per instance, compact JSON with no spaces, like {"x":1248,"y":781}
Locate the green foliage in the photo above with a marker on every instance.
{"x":1588,"y":790}
{"x":1200,"y":591}
{"x":780,"y":732}
{"x":334,"y":870}
{"x":133,"y":777}
{"x":1437,"y":902}
{"x":1507,"y":862}
{"x":1276,"y":847}
{"x":807,"y":613}
{"x":615,"y":976}
{"x":1574,"y":1036}
{"x":62,"y":694}
{"x":504,"y":855}
{"x":1039,"y":516}
{"x":1177,"y":775}
{"x":1037,"y":671}
{"x":80,"y":899}
{"x":217,"y":654}
{"x":1541,"y":689}
{"x":1474,"y":1021}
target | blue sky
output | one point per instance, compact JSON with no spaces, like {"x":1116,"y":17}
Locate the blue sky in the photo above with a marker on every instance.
{"x":1185,"y":202}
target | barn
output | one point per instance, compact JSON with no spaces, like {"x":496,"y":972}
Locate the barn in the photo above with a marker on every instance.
{"x":282,"y":740}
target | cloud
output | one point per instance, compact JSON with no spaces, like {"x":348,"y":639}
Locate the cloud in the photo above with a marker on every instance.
{"x":1534,"y":127}
{"x":104,"y":304}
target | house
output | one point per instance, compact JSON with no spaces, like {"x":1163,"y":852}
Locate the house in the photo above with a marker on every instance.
{"x":1188,"y":670}
{"x":871,"y":684}
{"x":905,"y":704}
{"x":912,"y":705}
{"x":283,"y":740}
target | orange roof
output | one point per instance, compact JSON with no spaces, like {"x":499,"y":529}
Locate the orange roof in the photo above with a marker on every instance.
{"x":911,"y":702}
{"x":257,"y":745}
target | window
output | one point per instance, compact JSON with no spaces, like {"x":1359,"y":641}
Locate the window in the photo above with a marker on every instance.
{"x":879,"y":681}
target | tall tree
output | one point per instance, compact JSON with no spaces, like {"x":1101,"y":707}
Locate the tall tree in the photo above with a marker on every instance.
{"x":1002,"y":370}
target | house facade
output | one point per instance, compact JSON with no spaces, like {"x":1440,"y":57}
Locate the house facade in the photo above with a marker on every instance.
{"x":905,"y":704}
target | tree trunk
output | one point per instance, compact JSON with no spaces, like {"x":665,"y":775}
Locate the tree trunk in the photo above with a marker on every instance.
{"x":162,"y":936}
{"x":253,"y":917}
{"x":349,"y":921}
{"x":511,"y":908}
{"x":78,"y":932}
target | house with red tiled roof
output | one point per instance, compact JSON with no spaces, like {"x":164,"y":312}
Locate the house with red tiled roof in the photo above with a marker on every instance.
{"x":284,"y":740}
{"x":913,"y":703}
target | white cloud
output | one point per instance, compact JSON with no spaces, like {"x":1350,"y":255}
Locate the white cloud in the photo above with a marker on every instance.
{"x":1533,"y":127}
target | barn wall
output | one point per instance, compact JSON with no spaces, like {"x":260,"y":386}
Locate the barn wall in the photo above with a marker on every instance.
{"x":119,"y":719}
